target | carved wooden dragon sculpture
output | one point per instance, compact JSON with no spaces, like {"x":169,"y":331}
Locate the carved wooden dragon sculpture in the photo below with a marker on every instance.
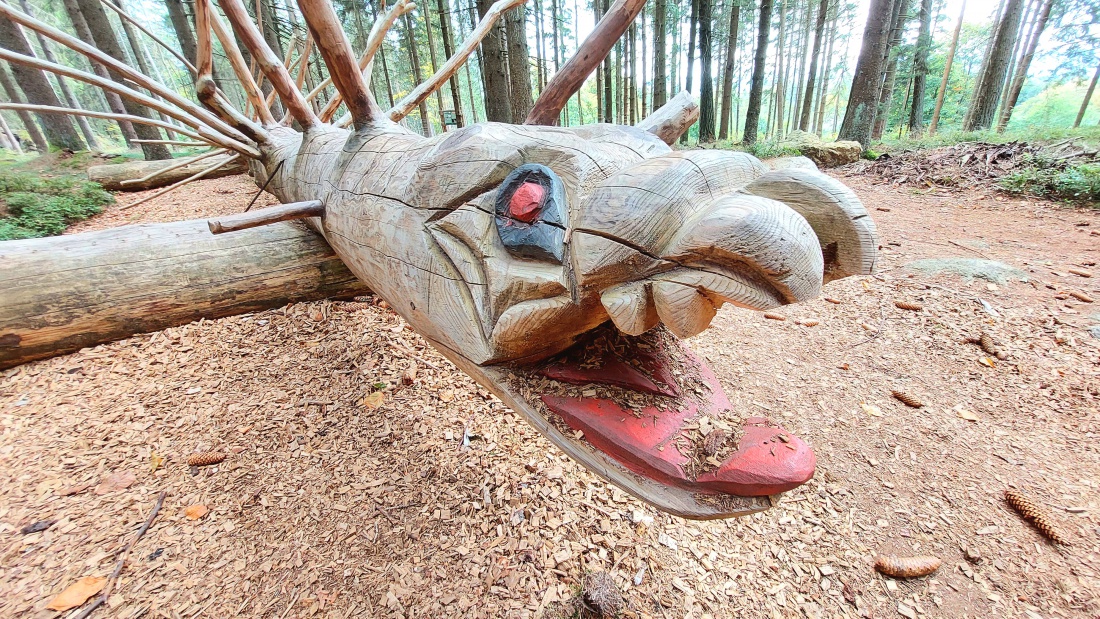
{"x":559,"y":267}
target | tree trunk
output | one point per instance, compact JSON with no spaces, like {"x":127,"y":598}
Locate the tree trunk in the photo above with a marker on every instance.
{"x":58,"y":128}
{"x":181,"y":25}
{"x":859,"y":117}
{"x":494,"y":71}
{"x":608,"y":90}
{"x":444,"y":9}
{"x":39,"y":140}
{"x":540,"y":47}
{"x":270,"y":27}
{"x":1025,"y":62}
{"x":804,"y":48}
{"x":645,"y":63}
{"x":706,"y":95}
{"x":727,"y":72}
{"x":692,"y":29}
{"x":983,"y":104}
{"x":660,"y":58}
{"x":631,"y":79}
{"x":104,"y":38}
{"x":111,"y":176}
{"x":889,"y":75}
{"x":946,"y":71}
{"x":418,"y":75}
{"x":63,"y":84}
{"x":808,"y":98}
{"x":1088,"y":98}
{"x":674,"y":59}
{"x":823,"y":91}
{"x":141,"y":57}
{"x":114,"y":101}
{"x":64,"y":293}
{"x":519,"y":63}
{"x":435,"y":66}
{"x":920,"y":68}
{"x":756,"y":88}
{"x":780,"y":83}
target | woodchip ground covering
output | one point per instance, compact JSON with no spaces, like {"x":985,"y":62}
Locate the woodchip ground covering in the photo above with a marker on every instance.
{"x":366,"y":477}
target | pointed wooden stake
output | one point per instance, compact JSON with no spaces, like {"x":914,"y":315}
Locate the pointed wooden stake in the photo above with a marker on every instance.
{"x":340,"y":60}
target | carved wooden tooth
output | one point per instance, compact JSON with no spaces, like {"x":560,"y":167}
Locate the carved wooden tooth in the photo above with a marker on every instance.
{"x":683,"y":309}
{"x":630,"y":308}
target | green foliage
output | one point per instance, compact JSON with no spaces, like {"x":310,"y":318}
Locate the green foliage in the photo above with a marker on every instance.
{"x":1075,"y":183}
{"x":37,"y":207}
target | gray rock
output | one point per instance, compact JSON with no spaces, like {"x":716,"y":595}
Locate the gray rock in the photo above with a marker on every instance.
{"x":970,"y":268}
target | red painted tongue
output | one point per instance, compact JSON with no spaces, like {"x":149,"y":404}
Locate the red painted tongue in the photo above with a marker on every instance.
{"x":766,"y":460}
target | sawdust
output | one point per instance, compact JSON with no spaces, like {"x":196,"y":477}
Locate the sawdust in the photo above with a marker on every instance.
{"x":328,"y":507}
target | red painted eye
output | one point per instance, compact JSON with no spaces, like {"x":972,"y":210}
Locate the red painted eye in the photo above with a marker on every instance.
{"x":526,"y":202}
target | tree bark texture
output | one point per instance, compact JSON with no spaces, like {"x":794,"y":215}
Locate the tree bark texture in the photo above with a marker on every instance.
{"x":444,"y":9}
{"x":519,"y":63}
{"x":942,"y":92}
{"x":983,"y":104}
{"x":58,"y":128}
{"x":36,"y":136}
{"x":756,"y":88}
{"x":494,"y":71}
{"x":418,"y":75}
{"x":1025,"y":62}
{"x":114,"y":101}
{"x":819,"y":33}
{"x":859,"y":117}
{"x":727,"y":72}
{"x":111,"y":176}
{"x":920,"y":68}
{"x":660,"y":57}
{"x":706,"y":87}
{"x":890,"y":72}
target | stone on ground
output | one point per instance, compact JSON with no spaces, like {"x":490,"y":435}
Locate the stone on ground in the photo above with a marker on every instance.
{"x":970,"y":268}
{"x":824,"y":154}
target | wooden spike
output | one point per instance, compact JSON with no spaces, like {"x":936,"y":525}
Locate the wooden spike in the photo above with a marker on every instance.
{"x":264,"y":216}
{"x":236,"y":60}
{"x":180,"y":164}
{"x":366,"y":61}
{"x":189,"y":179}
{"x":672,"y":119}
{"x":303,"y":63}
{"x":286,"y":65}
{"x":49,"y":109}
{"x":124,"y":15}
{"x":591,"y":53}
{"x":469,"y":46}
{"x":170,"y":142}
{"x":269,"y":63}
{"x":333,"y":44}
{"x":123,"y":69}
{"x":134,"y":95}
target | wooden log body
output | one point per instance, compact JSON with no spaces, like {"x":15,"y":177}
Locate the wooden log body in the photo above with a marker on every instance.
{"x":64,"y":293}
{"x":111,"y":176}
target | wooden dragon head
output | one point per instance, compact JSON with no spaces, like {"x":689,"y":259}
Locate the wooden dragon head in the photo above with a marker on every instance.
{"x":557,"y":266}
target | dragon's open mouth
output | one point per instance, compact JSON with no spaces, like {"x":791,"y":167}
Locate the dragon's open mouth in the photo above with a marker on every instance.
{"x":647,"y":414}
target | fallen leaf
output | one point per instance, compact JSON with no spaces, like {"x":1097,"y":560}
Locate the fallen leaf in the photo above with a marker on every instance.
{"x":77,"y":593}
{"x":117,"y":481}
{"x":374,"y":400}
{"x":988,"y":362}
{"x":36,"y":527}
{"x":965,"y":414}
{"x":194,"y":512}
{"x":155,"y":461}
{"x":871,"y":409}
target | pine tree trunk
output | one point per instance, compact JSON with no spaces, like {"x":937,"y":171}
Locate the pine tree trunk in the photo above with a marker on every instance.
{"x":1025,"y":62}
{"x":141,"y":58}
{"x":631,"y":79}
{"x":519,"y":63}
{"x":181,"y":25}
{"x":608,"y":90}
{"x":889,"y":76}
{"x":104,"y":38}
{"x":920,"y":68}
{"x":1031,"y":9}
{"x":674,"y":58}
{"x":859,"y":116}
{"x":706,"y":106}
{"x":596,"y":12}
{"x":481,"y":66}
{"x":804,"y":49}
{"x":58,"y":128}
{"x":946,"y":71}
{"x":776,"y":129}
{"x":808,"y":98}
{"x":114,"y":101}
{"x":435,"y":67}
{"x":540,"y":47}
{"x":756,"y":89}
{"x":660,"y":58}
{"x":37,"y":138}
{"x":692,"y":30}
{"x":727,"y":72}
{"x":444,"y":9}
{"x":983,"y":104}
{"x":270,"y":27}
{"x":418,"y":75}
{"x":823,"y":92}
{"x":494,"y":71}
{"x":1088,"y":98}
{"x":645,"y":63}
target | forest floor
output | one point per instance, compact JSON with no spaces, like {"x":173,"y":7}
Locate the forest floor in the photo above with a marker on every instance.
{"x":334,"y":504}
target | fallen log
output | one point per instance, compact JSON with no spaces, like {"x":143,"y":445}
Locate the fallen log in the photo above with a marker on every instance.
{"x":111,"y":176}
{"x":64,"y":293}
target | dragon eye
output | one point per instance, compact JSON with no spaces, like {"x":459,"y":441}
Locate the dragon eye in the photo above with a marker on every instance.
{"x":530,"y":213}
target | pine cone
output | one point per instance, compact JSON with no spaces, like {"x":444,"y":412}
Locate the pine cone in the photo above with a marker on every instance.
{"x":771,"y":316}
{"x":907,"y":399}
{"x":1033,"y":514}
{"x":810,"y":323}
{"x":354,"y":307}
{"x":1080,"y":296}
{"x":906,"y":567}
{"x":205,"y":458}
{"x":909,"y":305}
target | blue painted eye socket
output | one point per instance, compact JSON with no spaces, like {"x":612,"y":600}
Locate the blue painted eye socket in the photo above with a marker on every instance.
{"x":530,"y":213}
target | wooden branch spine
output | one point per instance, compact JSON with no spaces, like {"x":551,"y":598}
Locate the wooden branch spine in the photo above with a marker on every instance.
{"x":180,"y":164}
{"x":269,"y":63}
{"x":672,"y":119}
{"x":105,"y":115}
{"x":590,"y":54}
{"x":236,"y":60}
{"x":333,"y":44}
{"x":265,"y":216}
{"x":455,"y":62}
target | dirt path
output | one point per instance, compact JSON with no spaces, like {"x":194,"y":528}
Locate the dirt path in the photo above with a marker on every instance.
{"x":331,"y":506}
